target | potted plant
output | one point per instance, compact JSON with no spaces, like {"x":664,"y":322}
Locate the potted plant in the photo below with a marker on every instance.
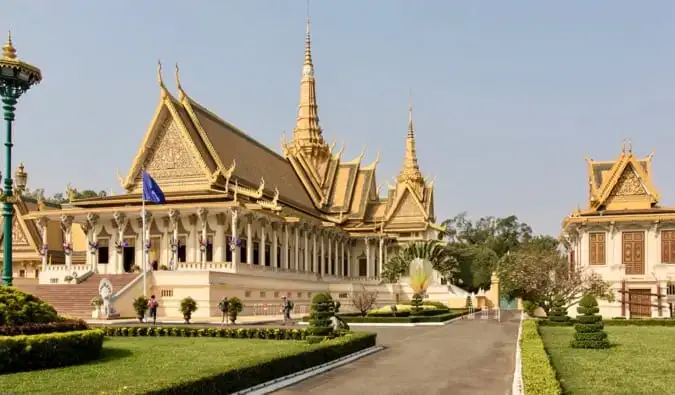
{"x":68,"y":279}
{"x":44,"y":249}
{"x":93,"y":247}
{"x":135,"y":269}
{"x":67,"y":248}
{"x":96,"y":303}
{"x":120,"y":246}
{"x":140,"y":307}
{"x":187,"y":307}
{"x":235,"y":308}
{"x":163,"y":267}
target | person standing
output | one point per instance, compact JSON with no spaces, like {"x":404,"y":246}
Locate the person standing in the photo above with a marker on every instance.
{"x":152,"y":306}
{"x":287,"y":308}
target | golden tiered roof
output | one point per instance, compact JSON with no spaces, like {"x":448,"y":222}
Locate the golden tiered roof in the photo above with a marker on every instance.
{"x":193,"y":153}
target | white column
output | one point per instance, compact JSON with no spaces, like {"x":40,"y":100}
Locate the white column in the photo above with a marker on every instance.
{"x":174,"y":222}
{"x":381,"y":257}
{"x":342,"y":258}
{"x":66,"y":225}
{"x":284,"y":258}
{"x":297,"y":248}
{"x":92,"y":221}
{"x":306,"y":262}
{"x":219,"y":239}
{"x":44,"y":248}
{"x":349,"y":258}
{"x":275,"y":245}
{"x":369,"y":271}
{"x":203,"y":215}
{"x":336,"y":272}
{"x":263,"y":240}
{"x":249,"y":239}
{"x":329,"y":262}
{"x":234,"y":243}
{"x":322,"y":261}
{"x":315,"y":253}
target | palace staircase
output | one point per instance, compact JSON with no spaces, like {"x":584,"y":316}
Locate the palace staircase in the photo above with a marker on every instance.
{"x":74,"y":300}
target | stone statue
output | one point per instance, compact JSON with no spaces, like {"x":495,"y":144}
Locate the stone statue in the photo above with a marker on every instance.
{"x":105,"y":290}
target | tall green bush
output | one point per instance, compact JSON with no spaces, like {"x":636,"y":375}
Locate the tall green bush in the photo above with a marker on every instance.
{"x":558,"y":313}
{"x":187,"y":307}
{"x":140,"y":307}
{"x":322,"y":309}
{"x":589,"y":326}
{"x":236,"y":307}
{"x":21,"y":308}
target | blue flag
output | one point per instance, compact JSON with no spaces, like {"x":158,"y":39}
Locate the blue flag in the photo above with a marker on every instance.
{"x":152,"y":191}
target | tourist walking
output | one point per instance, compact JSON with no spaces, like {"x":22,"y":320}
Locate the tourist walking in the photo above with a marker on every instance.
{"x":287,"y":308}
{"x":152,"y":306}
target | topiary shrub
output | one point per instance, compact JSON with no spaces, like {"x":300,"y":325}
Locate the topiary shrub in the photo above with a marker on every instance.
{"x":558,"y":313}
{"x":21,"y":308}
{"x":416,"y":303}
{"x":469,"y":302}
{"x":235,"y":307}
{"x":187,"y":307}
{"x":140,"y":307}
{"x":589,"y":326}
{"x":320,"y":326}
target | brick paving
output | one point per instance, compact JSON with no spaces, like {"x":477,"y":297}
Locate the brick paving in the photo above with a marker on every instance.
{"x":465,"y":357}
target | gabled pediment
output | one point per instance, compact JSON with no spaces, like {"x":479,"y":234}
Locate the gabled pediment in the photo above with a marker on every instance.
{"x":626,"y":185}
{"x":406,"y":207}
{"x":172,"y":152}
{"x":25,"y":235}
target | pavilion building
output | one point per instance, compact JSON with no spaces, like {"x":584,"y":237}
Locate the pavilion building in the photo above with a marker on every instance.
{"x":240,"y":219}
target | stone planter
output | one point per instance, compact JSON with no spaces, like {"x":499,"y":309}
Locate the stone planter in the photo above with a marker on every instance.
{"x":96,"y":313}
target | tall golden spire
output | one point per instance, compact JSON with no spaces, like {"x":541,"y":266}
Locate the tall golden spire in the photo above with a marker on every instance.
{"x":411,"y":169}
{"x":8,"y":50}
{"x":307,"y":134}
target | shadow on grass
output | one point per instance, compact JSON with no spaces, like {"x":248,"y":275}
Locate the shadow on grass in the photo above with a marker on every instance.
{"x":110,"y":354}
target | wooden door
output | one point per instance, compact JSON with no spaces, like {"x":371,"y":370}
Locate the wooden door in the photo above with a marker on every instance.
{"x":640,"y":301}
{"x":633,"y":252}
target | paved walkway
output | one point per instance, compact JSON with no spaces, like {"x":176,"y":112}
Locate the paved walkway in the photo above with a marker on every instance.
{"x":465,"y":357}
{"x":241,"y":320}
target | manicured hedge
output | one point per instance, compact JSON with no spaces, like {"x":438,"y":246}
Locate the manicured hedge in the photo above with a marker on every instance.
{"x":257,"y":371}
{"x":231,"y":333}
{"x":32,"y":352}
{"x":617,"y":322}
{"x":538,"y":374}
{"x":425,"y":312}
{"x":35,"y":329}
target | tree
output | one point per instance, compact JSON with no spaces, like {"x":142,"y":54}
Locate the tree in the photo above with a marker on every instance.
{"x":431,"y":251}
{"x":419,"y":282}
{"x":478,"y":245}
{"x":589,"y":329}
{"x":363,"y":300}
{"x":540,"y":275}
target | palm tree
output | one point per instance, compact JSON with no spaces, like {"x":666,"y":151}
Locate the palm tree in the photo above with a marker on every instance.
{"x":432,"y":251}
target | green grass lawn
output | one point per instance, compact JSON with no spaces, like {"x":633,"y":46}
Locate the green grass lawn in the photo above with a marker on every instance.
{"x":132,"y":365}
{"x":641,"y":361}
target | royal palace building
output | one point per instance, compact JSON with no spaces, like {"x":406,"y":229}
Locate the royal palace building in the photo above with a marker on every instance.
{"x":239,"y":219}
{"x":626,"y":236}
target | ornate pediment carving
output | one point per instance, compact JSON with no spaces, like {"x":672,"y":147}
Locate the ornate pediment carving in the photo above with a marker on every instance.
{"x":19,"y":237}
{"x":628,"y":184}
{"x":171,"y":157}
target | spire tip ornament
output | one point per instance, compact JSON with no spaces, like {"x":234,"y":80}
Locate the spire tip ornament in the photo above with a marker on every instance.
{"x":8,"y":50}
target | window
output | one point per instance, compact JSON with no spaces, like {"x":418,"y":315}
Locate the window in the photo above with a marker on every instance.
{"x":343,"y":295}
{"x":263,"y":294}
{"x":166,"y":293}
{"x":103,"y":255}
{"x":209,"y":249}
{"x":256,"y":253}
{"x":243,"y":252}
{"x":299,"y":294}
{"x":22,"y":273}
{"x":597,"y":248}
{"x":668,"y":246}
{"x":247,"y":294}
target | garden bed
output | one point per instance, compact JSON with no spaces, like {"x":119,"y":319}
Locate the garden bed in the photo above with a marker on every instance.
{"x":637,"y":363}
{"x":185,"y":365}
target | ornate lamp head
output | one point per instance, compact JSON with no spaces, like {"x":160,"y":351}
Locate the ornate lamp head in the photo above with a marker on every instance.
{"x":21,"y":178}
{"x":16,"y":76}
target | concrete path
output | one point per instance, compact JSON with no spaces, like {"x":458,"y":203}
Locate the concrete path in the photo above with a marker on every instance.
{"x":472,"y":356}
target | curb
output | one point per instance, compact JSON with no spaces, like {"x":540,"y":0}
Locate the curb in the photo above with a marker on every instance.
{"x":517,"y":387}
{"x":283,"y":382}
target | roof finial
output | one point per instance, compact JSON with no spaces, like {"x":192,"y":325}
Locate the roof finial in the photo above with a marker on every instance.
{"x":308,"y":42}
{"x":8,"y":51}
{"x":411,"y":130}
{"x":630,"y":146}
{"x":181,"y":93}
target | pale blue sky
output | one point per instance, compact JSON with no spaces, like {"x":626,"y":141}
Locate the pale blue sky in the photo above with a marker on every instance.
{"x":509,"y":95}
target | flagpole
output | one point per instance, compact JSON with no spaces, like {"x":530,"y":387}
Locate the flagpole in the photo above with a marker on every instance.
{"x":145,"y":250}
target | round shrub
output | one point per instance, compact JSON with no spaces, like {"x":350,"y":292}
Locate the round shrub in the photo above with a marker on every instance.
{"x":323,"y":309}
{"x":21,"y":308}
{"x":589,"y":333}
{"x":187,"y":307}
{"x":52,"y":350}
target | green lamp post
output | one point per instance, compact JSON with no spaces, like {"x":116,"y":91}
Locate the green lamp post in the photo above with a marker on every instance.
{"x":16,"y":77}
